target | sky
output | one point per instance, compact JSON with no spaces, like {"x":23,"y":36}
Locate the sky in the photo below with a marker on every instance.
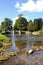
{"x":30,"y":9}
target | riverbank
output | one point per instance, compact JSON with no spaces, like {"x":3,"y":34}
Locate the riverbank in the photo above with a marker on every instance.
{"x":5,"y":42}
{"x":40,"y":32}
{"x":36,"y":58}
{"x":7,"y":55}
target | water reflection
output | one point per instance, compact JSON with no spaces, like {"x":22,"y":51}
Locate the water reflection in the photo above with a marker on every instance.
{"x":20,"y":44}
{"x":36,"y":43}
{"x":25,"y":41}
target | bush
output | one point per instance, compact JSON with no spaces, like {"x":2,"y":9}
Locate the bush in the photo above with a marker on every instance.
{"x":4,"y":38}
{"x":40,"y":32}
{"x":1,"y":44}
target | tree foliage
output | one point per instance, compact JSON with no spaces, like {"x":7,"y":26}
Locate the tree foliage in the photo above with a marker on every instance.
{"x":36,"y":25}
{"x":20,"y":24}
{"x":6,"y":24}
{"x":30,"y":26}
{"x":40,"y":22}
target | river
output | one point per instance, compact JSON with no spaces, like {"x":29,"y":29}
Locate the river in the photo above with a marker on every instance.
{"x":20,"y":42}
{"x":24,"y":41}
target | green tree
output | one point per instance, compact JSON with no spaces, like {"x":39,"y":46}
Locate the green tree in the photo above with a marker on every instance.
{"x":20,"y":24}
{"x":3,"y":25}
{"x":30,"y":26}
{"x":6,"y":24}
{"x":0,"y":28}
{"x":36,"y":25}
{"x":40,"y":22}
{"x":20,"y":15}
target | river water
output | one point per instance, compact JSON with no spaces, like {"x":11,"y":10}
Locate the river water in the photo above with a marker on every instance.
{"x":24,"y":41}
{"x":20,"y":42}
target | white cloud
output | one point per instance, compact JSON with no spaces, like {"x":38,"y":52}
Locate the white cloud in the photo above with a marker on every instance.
{"x":17,"y":5}
{"x":30,"y":6}
{"x":39,"y":5}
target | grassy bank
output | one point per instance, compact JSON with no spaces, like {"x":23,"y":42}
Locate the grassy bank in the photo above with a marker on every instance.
{"x":4,"y":38}
{"x":4,"y":42}
{"x":40,"y":32}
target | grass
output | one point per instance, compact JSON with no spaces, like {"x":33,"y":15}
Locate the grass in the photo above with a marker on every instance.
{"x":4,"y":42}
{"x":4,"y":38}
{"x":40,"y":32}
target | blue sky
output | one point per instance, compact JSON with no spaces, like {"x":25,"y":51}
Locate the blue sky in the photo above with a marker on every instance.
{"x":29,"y":8}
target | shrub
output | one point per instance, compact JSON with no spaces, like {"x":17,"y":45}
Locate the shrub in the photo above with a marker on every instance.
{"x":1,"y":44}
